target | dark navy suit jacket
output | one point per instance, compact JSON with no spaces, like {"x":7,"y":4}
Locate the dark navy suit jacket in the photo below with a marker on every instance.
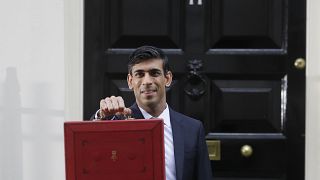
{"x":190,"y":149}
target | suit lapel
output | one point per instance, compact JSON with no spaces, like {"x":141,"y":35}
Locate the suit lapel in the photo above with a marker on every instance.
{"x":136,"y":113}
{"x":178,"y":141}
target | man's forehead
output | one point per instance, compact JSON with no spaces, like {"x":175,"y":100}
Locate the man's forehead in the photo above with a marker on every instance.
{"x":154,"y":64}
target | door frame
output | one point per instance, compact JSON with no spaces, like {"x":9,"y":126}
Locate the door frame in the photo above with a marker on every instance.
{"x":73,"y":55}
{"x":312,"y":156}
{"x":73,"y":48}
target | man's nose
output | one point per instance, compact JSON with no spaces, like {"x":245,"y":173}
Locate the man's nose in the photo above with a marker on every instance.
{"x":147,"y":79}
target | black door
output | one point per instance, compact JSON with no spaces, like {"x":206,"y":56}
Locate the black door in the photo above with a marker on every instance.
{"x":238,"y":67}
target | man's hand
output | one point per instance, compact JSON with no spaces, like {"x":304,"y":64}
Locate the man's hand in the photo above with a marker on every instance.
{"x":113,"y":106}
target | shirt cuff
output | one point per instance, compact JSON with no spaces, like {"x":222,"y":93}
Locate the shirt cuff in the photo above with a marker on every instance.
{"x":97,"y":117}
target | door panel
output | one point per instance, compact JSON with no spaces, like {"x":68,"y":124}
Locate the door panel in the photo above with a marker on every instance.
{"x":246,"y":24}
{"x":159,"y":24}
{"x":257,"y":165}
{"x":244,"y":106}
{"x":233,"y":65}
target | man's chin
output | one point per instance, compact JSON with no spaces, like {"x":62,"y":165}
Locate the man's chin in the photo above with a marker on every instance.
{"x":150,"y":102}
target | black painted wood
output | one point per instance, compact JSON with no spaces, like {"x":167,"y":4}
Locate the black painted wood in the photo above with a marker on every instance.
{"x":247,"y":90}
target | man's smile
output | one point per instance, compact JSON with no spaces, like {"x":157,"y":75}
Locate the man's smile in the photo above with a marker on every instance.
{"x":148,"y":91}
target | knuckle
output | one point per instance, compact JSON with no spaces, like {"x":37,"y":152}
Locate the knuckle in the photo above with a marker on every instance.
{"x":119,"y":98}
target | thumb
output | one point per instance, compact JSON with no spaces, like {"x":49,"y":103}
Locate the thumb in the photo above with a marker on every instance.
{"x":127,"y":111}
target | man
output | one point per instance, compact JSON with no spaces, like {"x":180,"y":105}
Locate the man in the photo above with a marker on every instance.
{"x":186,"y":154}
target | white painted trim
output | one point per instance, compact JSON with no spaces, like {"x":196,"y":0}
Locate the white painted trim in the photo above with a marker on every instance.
{"x":313,"y":91}
{"x":73,"y":35}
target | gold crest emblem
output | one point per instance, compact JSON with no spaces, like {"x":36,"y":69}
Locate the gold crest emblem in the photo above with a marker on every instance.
{"x":114,"y":156}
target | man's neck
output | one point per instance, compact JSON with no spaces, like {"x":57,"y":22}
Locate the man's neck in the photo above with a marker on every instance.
{"x":155,"y":110}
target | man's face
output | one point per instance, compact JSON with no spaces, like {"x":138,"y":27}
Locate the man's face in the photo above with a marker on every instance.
{"x":149,"y":82}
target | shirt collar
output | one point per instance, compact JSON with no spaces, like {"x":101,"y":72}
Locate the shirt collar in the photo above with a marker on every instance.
{"x":165,"y":115}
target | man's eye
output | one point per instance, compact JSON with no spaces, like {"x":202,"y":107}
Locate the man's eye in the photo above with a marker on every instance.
{"x":139,"y":74}
{"x":155,"y":73}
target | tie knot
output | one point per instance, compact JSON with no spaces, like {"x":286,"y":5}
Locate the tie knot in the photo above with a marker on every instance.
{"x":155,"y":118}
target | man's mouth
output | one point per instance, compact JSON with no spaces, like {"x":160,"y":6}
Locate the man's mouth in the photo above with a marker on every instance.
{"x":148,"y":91}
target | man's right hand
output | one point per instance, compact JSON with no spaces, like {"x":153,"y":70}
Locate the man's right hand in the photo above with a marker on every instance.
{"x":113,"y":106}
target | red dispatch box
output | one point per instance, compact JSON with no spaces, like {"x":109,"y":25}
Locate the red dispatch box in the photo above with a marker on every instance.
{"x":114,"y":150}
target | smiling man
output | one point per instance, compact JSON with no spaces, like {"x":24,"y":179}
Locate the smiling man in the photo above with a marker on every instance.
{"x":148,"y":79}
{"x":186,"y":154}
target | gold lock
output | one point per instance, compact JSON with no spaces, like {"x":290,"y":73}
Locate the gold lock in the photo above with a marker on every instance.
{"x":214,"y":150}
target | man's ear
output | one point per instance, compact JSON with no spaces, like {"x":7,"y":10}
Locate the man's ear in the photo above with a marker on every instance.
{"x":129,"y":81}
{"x":168,"y":77}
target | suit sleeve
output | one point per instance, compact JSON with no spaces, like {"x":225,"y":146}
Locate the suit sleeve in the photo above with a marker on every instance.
{"x":204,"y":171}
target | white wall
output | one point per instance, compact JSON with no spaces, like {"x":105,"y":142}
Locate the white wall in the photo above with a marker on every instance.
{"x":313,"y":91}
{"x":41,"y":86}
{"x":32,"y":89}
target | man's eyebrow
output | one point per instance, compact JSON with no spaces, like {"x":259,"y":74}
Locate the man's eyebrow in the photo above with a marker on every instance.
{"x":155,"y":69}
{"x":150,"y":70}
{"x":138,"y":70}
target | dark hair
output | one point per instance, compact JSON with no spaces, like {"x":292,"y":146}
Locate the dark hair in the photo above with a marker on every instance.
{"x":145,"y":53}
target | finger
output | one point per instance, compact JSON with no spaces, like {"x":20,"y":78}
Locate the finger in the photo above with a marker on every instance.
{"x":115,"y":103}
{"x":103,"y":106}
{"x":109,"y":105}
{"x":121,"y":103}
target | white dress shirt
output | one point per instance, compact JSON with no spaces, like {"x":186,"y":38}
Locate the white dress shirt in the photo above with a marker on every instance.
{"x":168,"y":142}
